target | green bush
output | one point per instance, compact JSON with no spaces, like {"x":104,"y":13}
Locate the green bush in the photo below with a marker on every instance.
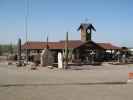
{"x":0,"y":50}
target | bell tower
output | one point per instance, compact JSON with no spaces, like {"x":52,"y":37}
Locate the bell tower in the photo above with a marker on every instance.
{"x":86,"y":31}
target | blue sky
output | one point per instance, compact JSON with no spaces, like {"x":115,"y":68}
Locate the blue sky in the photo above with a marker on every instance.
{"x":113,"y":20}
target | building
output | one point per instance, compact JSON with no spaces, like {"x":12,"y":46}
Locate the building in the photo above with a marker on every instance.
{"x":131,"y":50}
{"x":79,"y":50}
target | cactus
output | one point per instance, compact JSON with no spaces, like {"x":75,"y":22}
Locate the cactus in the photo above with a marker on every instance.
{"x":66,"y":52}
{"x":70,"y":54}
{"x":19,"y":52}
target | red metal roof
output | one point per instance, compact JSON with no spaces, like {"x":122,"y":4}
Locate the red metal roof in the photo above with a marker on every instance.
{"x":51,"y":45}
{"x":108,"y":46}
{"x":61,"y":45}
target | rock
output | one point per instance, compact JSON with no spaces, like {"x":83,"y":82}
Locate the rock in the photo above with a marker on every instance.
{"x":33,"y":66}
{"x":10,"y":63}
{"x":51,"y":67}
{"x":18,"y":64}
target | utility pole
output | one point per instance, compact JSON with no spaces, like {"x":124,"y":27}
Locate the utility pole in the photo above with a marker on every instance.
{"x":26,"y":27}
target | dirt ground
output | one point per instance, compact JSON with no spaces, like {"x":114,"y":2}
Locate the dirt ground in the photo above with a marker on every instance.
{"x":105,"y":82}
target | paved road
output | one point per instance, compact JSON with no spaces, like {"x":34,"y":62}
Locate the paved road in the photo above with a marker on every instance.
{"x":46,"y":84}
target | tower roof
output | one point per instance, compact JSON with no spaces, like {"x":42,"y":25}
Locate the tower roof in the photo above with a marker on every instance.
{"x":86,"y":26}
